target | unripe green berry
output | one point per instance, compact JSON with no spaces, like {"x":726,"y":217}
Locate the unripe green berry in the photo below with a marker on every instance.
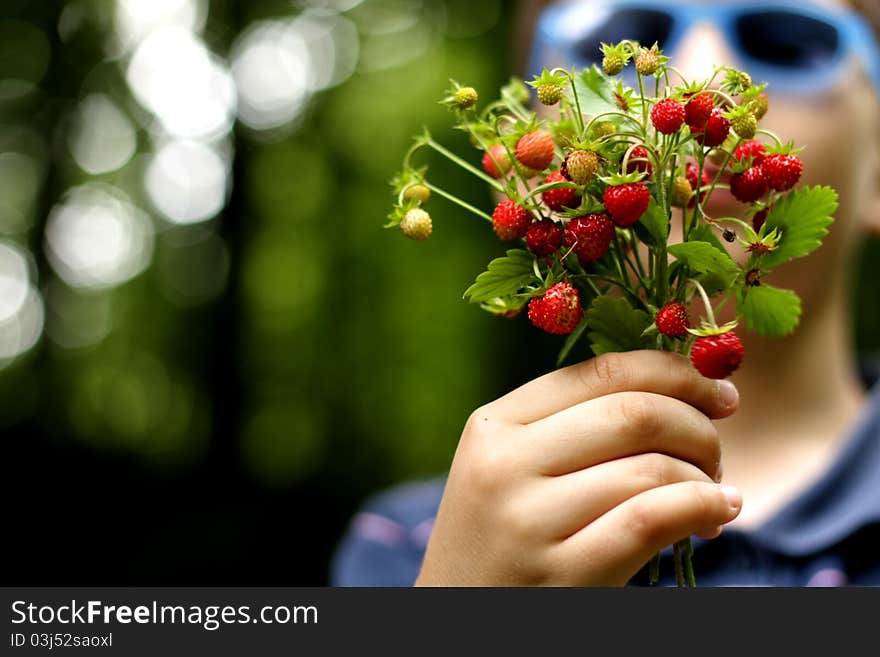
{"x":465,"y":97}
{"x":418,"y":193}
{"x":549,"y":94}
{"x":745,"y":125}
{"x":681,"y":192}
{"x":612,"y":64}
{"x":647,"y":62}
{"x":416,"y":224}
{"x":759,"y":106}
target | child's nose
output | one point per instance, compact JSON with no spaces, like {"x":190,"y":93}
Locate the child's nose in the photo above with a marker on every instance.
{"x":702,"y":48}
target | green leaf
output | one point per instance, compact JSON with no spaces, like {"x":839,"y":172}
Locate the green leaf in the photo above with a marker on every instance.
{"x":595,"y":92}
{"x":505,"y":276}
{"x":570,"y":341}
{"x":770,"y":310}
{"x":713,"y":266}
{"x":704,"y":233}
{"x":615,"y":325}
{"x":653,"y":227}
{"x":802,"y":217}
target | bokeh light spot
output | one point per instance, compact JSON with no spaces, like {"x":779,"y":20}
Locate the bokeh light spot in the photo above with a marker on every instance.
{"x":102,"y":137}
{"x":95,"y":237}
{"x":186,"y":181}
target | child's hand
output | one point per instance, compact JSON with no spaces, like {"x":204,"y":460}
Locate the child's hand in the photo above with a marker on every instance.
{"x":580,"y":476}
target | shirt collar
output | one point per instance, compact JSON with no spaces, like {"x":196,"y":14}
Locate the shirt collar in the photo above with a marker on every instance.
{"x":845,"y":499}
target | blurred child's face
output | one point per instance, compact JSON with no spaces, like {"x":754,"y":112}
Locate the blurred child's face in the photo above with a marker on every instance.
{"x":839,"y":127}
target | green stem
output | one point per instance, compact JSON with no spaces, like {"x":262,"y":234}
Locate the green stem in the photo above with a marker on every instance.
{"x":467,"y":166}
{"x":688,"y":550}
{"x":458,"y":201}
{"x":679,"y":570}
{"x":654,"y":569}
{"x":577,"y":104}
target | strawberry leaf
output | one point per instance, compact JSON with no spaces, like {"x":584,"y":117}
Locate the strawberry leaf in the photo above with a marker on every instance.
{"x":653,"y":227}
{"x":712,"y":266}
{"x":616,"y":325}
{"x":704,"y":233}
{"x":769,"y":310}
{"x":802,"y":217}
{"x":595,"y":91}
{"x":504,"y":277}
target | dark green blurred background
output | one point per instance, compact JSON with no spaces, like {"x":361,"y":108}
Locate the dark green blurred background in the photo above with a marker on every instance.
{"x":211,"y":351}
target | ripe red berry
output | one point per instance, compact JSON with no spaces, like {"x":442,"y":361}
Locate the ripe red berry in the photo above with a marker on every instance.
{"x":781,"y":171}
{"x":759,"y":218}
{"x":562,"y":197}
{"x":496,"y":161}
{"x":668,"y":116}
{"x":638,"y":161}
{"x":749,"y":185}
{"x":559,"y":311}
{"x":626,"y":203}
{"x":698,"y":109}
{"x":535,"y":150}
{"x":510,"y":221}
{"x":691,"y":171}
{"x":751,"y":148}
{"x":544,"y":237}
{"x":715,"y":131}
{"x":717,"y":356}
{"x":589,"y":236}
{"x":672,"y":319}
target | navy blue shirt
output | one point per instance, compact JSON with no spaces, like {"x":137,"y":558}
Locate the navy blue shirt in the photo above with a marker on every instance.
{"x":828,"y":536}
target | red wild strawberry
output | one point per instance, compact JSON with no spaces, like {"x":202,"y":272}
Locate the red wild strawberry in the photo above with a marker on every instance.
{"x":672,"y":319}
{"x":751,"y":148}
{"x":668,"y":116}
{"x":691,"y":171}
{"x":717,"y":356}
{"x":510,"y":221}
{"x":562,"y":197}
{"x":715,"y":131}
{"x":535,"y":150}
{"x":544,"y":237}
{"x":749,"y":185}
{"x":626,"y":203}
{"x":496,"y":161}
{"x":638,"y":161}
{"x":559,"y":311}
{"x":589,"y":236}
{"x":781,"y":171}
{"x":698,"y":109}
{"x":759,"y":218}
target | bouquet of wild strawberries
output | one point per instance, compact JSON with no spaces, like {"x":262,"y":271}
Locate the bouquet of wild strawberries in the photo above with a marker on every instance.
{"x":607,"y":197}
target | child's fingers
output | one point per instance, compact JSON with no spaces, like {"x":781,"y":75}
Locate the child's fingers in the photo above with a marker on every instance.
{"x":622,"y":424}
{"x":651,"y":370}
{"x":564,"y":505}
{"x":613,"y":548}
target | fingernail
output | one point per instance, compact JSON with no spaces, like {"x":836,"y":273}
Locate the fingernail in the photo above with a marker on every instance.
{"x":727,"y":393}
{"x":734,"y":497}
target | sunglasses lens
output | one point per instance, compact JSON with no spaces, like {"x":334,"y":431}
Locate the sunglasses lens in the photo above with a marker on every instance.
{"x":788,"y":40}
{"x":643,"y":25}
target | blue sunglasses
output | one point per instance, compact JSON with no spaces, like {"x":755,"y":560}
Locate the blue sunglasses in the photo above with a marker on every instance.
{"x":792,"y":46}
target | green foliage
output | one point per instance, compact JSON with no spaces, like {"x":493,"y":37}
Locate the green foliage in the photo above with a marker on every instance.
{"x":803,"y":218}
{"x":596,"y":91}
{"x":505,"y":276}
{"x":616,"y":326}
{"x":653,"y":227}
{"x":769,"y":310}
{"x":712,"y":266}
